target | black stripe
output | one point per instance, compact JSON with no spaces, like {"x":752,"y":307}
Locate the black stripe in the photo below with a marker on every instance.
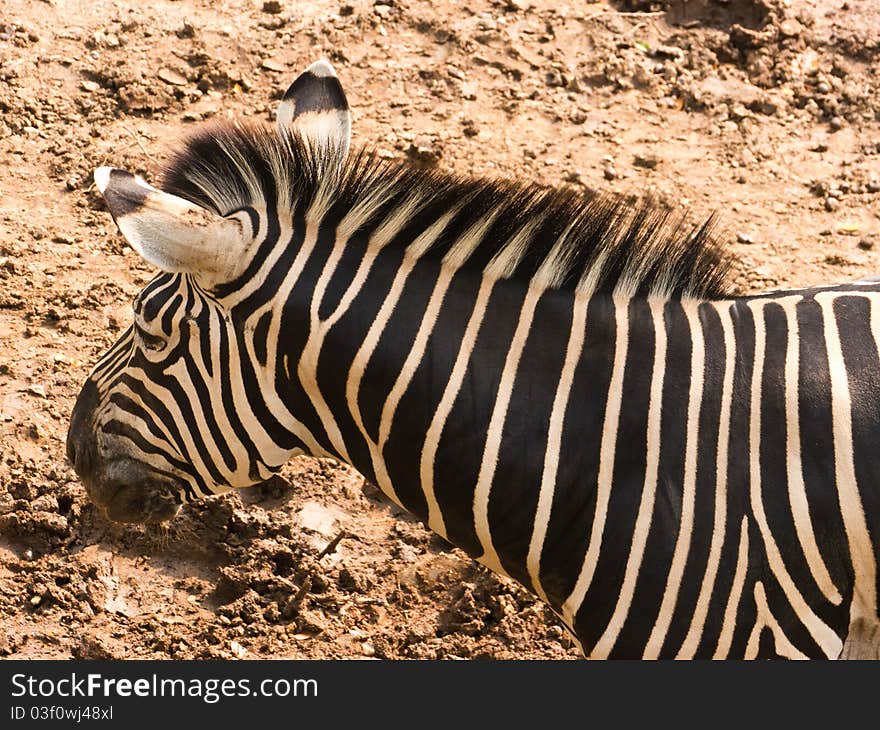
{"x":666,"y":516}
{"x":513,"y":500}
{"x":817,"y":451}
{"x":628,"y":479}
{"x":574,"y":500}
{"x":738,"y":481}
{"x":774,"y":485}
{"x":853,"y":315}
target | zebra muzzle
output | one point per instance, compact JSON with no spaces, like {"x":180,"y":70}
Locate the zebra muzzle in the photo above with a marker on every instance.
{"x":142,"y":503}
{"x":128,"y":491}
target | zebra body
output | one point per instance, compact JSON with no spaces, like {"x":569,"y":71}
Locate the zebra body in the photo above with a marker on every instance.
{"x":559,"y":388}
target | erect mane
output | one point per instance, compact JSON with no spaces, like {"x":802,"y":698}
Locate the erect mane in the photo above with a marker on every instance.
{"x":556,"y":238}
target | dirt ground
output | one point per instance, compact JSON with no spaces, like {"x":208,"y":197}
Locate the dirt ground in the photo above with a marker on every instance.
{"x":767,"y":111}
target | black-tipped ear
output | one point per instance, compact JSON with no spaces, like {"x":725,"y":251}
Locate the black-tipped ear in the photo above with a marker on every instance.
{"x":170,"y":232}
{"x":315,"y":105}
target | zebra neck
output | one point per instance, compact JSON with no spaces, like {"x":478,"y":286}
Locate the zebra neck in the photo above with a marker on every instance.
{"x":453,"y":394}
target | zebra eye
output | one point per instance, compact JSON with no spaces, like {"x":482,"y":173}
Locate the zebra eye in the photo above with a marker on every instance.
{"x":148,"y":340}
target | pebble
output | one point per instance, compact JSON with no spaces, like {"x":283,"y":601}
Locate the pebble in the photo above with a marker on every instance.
{"x":873,"y":185}
{"x":823,"y":87}
{"x":554,"y":77}
{"x":744,"y":238}
{"x":648,"y":161}
{"x":171,"y":77}
{"x":468,"y":91}
{"x":609,"y":172}
{"x":270,"y":64}
{"x":831,"y":204}
{"x":90,"y":86}
{"x":836,"y":123}
{"x":672,"y":53}
{"x":866,"y":244}
{"x":272,"y":7}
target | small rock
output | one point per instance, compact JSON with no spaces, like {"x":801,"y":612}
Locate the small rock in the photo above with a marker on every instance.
{"x":91,"y":647}
{"x":671,"y":53}
{"x":186,"y":31}
{"x":866,"y":244}
{"x":823,"y":87}
{"x":831,"y":204}
{"x":744,"y":238}
{"x":609,"y":172}
{"x":647,"y":161}
{"x":873,"y":185}
{"x":272,"y":7}
{"x":270,"y":64}
{"x":554,"y":77}
{"x":90,"y":86}
{"x":368,"y":649}
{"x":72,"y":183}
{"x":37,"y":390}
{"x":738,"y":112}
{"x":835,"y":123}
{"x":468,"y":91}
{"x":171,"y":77}
{"x":237,"y":649}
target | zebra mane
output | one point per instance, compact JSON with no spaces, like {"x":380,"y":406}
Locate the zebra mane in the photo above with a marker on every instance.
{"x":552,"y":238}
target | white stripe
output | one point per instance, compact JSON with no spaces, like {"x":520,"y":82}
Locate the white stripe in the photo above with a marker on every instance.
{"x":495,"y":431}
{"x":725,"y":639}
{"x":797,"y":495}
{"x":554,"y":443}
{"x":692,"y":435}
{"x":764,"y":619}
{"x":368,"y":347}
{"x":822,"y":634}
{"x":607,"y":447}
{"x":307,"y":369}
{"x":864,"y":601}
{"x":692,"y":640}
{"x":450,"y":392}
{"x":606,"y":642}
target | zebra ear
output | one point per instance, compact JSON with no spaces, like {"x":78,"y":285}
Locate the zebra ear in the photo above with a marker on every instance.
{"x":170,"y":232}
{"x":315,"y":106}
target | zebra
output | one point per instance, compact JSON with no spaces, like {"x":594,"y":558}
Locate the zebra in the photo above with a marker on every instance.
{"x":561,"y":383}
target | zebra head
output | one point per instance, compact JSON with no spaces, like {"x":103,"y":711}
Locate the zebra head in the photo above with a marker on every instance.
{"x":176,"y":410}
